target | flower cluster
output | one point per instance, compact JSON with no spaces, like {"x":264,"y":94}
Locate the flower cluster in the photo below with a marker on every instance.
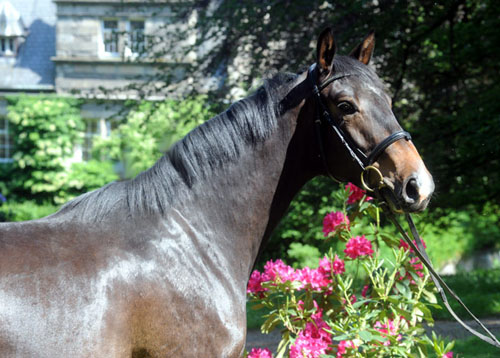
{"x":355,"y":193}
{"x":260,"y":353}
{"x":358,"y":246}
{"x":314,"y":340}
{"x":334,"y":221}
{"x":404,"y":244}
{"x":343,"y":346}
{"x":276,"y":272}
{"x":388,"y":329}
{"x":325,"y":312}
{"x":414,"y":263}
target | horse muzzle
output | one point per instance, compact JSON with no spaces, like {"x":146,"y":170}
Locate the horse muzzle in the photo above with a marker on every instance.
{"x":413,"y":194}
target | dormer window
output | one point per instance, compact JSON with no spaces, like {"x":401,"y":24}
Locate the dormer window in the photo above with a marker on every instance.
{"x":12,"y":30}
{"x":7,"y":46}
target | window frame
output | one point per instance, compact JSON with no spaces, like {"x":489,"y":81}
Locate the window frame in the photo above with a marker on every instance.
{"x":8,"y":46}
{"x":104,"y":34}
{"x":132,"y":45}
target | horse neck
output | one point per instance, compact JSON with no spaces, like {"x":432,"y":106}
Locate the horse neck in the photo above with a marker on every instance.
{"x":240,"y":204}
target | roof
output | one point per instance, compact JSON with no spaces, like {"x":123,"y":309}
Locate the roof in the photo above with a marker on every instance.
{"x":32,"y":68}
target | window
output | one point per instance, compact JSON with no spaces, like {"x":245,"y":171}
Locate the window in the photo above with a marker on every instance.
{"x":110,"y":37}
{"x":94,"y":128}
{"x":5,"y":142}
{"x":8,"y":46}
{"x":123,"y":38}
{"x":136,"y":36}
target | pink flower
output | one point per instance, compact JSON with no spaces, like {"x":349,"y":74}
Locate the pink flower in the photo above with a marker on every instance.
{"x":364,"y":291}
{"x":255,"y":281}
{"x":358,"y":246}
{"x":336,"y":266}
{"x":260,"y":353}
{"x":342,"y":347}
{"x":388,"y":329}
{"x":353,"y":300}
{"x":313,"y":340}
{"x":313,"y":277}
{"x":333,"y":221}
{"x":355,"y":193}
{"x":403,"y":244}
{"x":448,"y":355}
{"x":418,"y":266}
{"x":278,"y":271}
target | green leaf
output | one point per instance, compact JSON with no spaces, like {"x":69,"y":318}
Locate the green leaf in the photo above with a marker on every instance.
{"x":365,"y":336}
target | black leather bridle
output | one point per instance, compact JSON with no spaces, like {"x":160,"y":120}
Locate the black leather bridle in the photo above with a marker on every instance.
{"x":323,"y":117}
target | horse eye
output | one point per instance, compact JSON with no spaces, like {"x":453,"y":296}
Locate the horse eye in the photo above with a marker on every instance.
{"x":346,"y":107}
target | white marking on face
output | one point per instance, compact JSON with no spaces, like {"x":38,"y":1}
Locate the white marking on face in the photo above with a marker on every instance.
{"x":424,"y":182}
{"x":378,"y":91}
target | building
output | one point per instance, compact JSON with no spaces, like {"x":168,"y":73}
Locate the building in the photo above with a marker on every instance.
{"x":27,"y":43}
{"x":103,"y":50}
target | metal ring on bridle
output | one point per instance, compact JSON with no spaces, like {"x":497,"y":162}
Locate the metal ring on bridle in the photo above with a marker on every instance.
{"x":380,"y":179}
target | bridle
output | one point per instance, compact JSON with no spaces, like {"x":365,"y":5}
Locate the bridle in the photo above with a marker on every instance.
{"x":365,"y":163}
{"x":323,"y":116}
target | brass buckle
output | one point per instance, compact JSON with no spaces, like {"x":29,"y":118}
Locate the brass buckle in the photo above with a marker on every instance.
{"x":379,"y":181}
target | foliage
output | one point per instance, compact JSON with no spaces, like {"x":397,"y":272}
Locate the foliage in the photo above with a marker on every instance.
{"x":453,"y":234}
{"x":474,"y":347}
{"x":300,"y":225}
{"x":87,"y":176}
{"x":478,"y":289}
{"x":435,"y":56}
{"x":150,"y":129}
{"x":299,"y":239}
{"x":45,"y":130}
{"x":335,"y":312}
{"x":28,"y":210}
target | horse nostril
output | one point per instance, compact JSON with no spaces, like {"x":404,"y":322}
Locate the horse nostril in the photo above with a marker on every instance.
{"x":411,"y":194}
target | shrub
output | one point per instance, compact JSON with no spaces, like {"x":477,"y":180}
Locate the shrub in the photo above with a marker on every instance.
{"x":86,"y":176}
{"x":45,"y":130}
{"x":28,"y":210}
{"x":150,"y":129}
{"x":355,"y":303}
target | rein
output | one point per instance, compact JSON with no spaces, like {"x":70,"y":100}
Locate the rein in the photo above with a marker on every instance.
{"x":365,"y":163}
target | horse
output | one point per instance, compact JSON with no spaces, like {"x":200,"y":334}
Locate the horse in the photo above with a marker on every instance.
{"x":157,"y":266}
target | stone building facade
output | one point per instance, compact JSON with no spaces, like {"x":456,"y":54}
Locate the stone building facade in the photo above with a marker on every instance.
{"x":104,"y":46}
{"x":103,"y":50}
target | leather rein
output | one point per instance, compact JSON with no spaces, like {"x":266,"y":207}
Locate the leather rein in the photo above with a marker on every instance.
{"x":365,"y":162}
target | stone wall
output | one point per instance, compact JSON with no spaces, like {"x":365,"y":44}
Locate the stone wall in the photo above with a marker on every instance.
{"x":84,"y":67}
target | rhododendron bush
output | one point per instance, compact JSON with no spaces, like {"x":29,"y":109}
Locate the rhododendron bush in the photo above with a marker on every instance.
{"x":354,"y":303}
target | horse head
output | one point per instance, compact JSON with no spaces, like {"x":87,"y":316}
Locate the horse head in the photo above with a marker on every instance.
{"x":360,"y":108}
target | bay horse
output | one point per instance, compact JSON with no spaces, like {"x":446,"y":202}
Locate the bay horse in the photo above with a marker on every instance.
{"x":157,"y":266}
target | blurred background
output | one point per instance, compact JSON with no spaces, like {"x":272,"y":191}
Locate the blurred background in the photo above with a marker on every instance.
{"x":96,"y":91}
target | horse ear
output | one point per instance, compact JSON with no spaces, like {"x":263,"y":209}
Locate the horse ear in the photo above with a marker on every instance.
{"x":363,"y":52}
{"x":325,"y":50}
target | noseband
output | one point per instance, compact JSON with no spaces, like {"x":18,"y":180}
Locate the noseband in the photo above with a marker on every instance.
{"x":323,"y":116}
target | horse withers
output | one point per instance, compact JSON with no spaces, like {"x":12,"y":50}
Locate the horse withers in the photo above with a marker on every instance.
{"x":157,"y":266}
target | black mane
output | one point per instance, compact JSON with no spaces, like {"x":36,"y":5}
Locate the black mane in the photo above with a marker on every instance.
{"x":207,"y":148}
{"x":210,"y":146}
